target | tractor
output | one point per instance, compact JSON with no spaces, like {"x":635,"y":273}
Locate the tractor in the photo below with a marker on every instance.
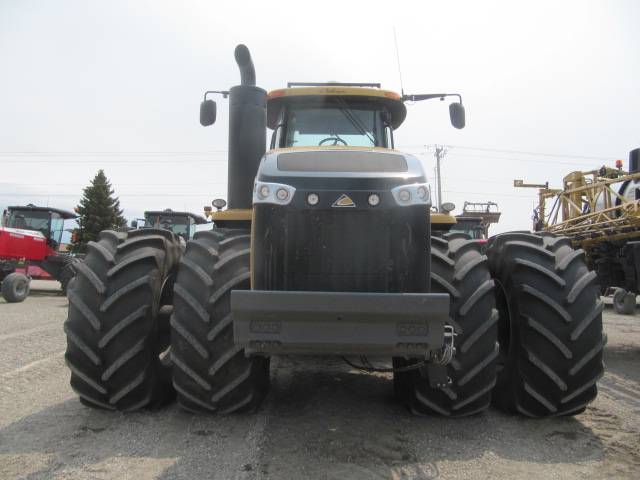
{"x":180,"y":223}
{"x":31,"y":236}
{"x":323,"y":247}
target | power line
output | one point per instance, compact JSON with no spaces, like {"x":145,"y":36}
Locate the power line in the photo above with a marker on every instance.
{"x":224,"y":152}
{"x":491,"y":194}
{"x":155,"y":161}
{"x":119,"y":184}
{"x":108,"y":154}
{"x":519,"y":152}
{"x":548,"y":162}
{"x":75,"y":195}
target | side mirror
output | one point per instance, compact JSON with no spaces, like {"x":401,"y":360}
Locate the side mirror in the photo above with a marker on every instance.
{"x":456,"y":112}
{"x":207,"y":113}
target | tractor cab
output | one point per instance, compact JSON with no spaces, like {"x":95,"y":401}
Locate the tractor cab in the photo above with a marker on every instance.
{"x":334,"y":114}
{"x":180,"y":223}
{"x":46,"y":220}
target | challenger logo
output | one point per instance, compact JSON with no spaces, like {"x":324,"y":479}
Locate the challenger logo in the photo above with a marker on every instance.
{"x":344,"y":201}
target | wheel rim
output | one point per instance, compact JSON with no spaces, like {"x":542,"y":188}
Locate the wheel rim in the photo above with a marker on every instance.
{"x":618,"y":299}
{"x":22,"y":287}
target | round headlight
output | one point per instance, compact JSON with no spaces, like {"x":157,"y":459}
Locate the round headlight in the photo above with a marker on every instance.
{"x":282,"y":194}
{"x":313,"y":199}
{"x":404,"y":195}
{"x":373,"y":199}
{"x":422,"y":193}
{"x":263,"y":191}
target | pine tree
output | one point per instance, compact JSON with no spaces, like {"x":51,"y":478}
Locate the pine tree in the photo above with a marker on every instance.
{"x":97,"y":211}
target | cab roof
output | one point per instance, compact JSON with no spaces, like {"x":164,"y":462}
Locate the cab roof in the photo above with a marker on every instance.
{"x":65,"y":214}
{"x":356,"y":93}
{"x":199,"y":219}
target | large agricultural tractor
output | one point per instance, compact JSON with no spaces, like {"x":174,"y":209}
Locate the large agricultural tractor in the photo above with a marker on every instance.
{"x":325,"y":249}
{"x":31,"y":236}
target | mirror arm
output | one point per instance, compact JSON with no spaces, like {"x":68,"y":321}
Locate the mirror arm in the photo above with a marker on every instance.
{"x":429,"y":96}
{"x":224,"y":94}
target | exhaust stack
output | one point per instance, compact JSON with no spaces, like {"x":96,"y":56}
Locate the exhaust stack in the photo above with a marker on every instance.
{"x":247,"y":132}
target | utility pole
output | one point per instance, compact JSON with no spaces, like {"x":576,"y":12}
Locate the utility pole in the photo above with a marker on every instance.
{"x":440,"y":153}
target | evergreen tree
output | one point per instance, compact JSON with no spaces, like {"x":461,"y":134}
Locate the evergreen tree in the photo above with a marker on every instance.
{"x":97,"y":211}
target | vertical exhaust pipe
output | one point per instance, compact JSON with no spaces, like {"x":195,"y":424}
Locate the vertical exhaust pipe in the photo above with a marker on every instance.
{"x":247,"y":132}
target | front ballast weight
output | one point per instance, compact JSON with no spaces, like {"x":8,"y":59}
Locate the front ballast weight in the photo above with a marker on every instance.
{"x":339,"y":323}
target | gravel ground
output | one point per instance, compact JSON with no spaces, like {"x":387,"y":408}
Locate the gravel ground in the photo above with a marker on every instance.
{"x":321,"y":420}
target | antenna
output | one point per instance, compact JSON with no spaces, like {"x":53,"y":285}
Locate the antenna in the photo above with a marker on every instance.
{"x":398,"y":58}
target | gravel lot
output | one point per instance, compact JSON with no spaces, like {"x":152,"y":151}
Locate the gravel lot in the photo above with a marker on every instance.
{"x":321,"y":420}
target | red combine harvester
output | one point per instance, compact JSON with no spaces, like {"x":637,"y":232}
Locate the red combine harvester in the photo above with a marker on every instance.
{"x":30,"y":237}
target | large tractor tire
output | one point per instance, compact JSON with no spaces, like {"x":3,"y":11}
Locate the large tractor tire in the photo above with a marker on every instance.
{"x":550,"y":327}
{"x":461,"y":270}
{"x":118,"y":324}
{"x":68,"y":274}
{"x":211,"y":373}
{"x":15,"y":287}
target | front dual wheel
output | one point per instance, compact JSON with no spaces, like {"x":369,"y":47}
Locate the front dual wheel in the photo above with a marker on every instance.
{"x":118,"y":321}
{"x":532,"y":344}
{"x":550,"y":330}
{"x":459,"y":269}
{"x":211,"y":373}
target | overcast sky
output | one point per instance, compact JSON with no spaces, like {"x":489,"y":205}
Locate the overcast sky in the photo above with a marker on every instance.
{"x":549,"y":87}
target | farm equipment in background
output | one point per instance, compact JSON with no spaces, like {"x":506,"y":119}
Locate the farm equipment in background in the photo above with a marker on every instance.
{"x":30,"y":236}
{"x":472,"y":226}
{"x":180,"y":223}
{"x":487,"y":211}
{"x":599,"y":211}
{"x":475,"y":220}
{"x":326,"y":248}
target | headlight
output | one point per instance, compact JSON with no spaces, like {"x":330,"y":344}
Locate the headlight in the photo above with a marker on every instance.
{"x":264,"y":191}
{"x":404,"y":195}
{"x":273,"y":193}
{"x":416,"y":194}
{"x":282,"y":194}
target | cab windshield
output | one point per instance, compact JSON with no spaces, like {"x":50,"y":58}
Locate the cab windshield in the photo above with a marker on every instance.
{"x":180,"y":225}
{"x":30,"y":220}
{"x":330,"y":122}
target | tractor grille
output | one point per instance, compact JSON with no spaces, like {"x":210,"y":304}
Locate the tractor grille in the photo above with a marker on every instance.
{"x":340,"y":250}
{"x":344,"y":251}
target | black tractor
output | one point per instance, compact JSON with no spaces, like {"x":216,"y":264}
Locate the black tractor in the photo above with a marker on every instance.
{"x":325,"y":248}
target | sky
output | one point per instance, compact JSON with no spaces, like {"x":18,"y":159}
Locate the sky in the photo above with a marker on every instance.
{"x":549,"y":87}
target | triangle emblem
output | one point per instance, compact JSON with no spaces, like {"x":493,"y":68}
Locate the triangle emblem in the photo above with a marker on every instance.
{"x":344,"y":201}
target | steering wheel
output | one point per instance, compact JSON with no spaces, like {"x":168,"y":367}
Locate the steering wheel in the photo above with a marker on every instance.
{"x":335,"y":140}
